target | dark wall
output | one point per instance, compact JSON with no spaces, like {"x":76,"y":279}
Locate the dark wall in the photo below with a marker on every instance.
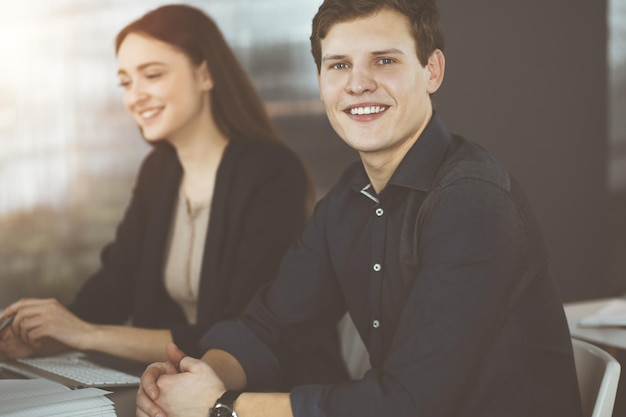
{"x":527,"y":80}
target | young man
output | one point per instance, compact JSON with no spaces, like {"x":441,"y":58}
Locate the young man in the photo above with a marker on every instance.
{"x":427,"y":242}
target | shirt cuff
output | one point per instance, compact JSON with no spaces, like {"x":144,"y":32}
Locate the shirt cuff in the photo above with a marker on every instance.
{"x":262,"y":368}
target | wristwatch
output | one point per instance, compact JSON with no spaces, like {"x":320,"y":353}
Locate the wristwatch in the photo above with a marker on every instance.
{"x":224,"y":405}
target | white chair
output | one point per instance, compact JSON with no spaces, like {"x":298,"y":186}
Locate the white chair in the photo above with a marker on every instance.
{"x":598,"y":375}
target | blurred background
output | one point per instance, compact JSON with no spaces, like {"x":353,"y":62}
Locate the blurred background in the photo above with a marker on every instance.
{"x":542,"y":86}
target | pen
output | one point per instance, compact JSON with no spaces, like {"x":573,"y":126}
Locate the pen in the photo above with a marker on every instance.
{"x":6,"y":322}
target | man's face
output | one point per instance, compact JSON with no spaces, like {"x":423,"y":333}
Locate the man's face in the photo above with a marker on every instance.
{"x":375,"y":90}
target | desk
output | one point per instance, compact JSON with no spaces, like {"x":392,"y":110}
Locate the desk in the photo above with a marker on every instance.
{"x":124,"y":399}
{"x":607,"y":336}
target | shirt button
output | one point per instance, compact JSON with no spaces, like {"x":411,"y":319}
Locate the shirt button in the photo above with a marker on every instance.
{"x":380,"y":212}
{"x":376,"y":324}
{"x":377,"y":267}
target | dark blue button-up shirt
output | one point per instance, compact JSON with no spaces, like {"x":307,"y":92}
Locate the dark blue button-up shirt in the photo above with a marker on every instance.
{"x":444,"y":275}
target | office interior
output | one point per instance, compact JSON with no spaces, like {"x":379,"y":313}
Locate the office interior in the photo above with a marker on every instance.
{"x":541,"y":85}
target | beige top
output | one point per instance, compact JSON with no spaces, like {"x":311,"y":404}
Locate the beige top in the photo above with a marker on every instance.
{"x":184,"y":258}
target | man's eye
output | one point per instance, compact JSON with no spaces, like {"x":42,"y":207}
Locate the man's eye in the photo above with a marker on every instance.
{"x":153,"y":75}
{"x":386,"y":61}
{"x":340,"y":65}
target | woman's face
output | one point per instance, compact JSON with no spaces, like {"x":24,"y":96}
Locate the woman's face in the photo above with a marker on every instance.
{"x":165,"y":93}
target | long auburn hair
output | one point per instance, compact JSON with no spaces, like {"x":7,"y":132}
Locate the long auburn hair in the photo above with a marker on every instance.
{"x":237,"y":108}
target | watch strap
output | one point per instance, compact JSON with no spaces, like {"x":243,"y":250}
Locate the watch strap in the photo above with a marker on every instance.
{"x":229,"y":397}
{"x":226,"y":400}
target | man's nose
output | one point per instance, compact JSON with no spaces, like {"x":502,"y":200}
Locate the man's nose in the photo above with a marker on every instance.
{"x":361,"y":80}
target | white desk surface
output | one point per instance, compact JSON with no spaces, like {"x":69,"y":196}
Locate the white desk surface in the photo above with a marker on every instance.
{"x":608,"y":336}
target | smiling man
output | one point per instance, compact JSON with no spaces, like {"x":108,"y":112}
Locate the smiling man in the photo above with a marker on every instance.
{"x":427,"y":242}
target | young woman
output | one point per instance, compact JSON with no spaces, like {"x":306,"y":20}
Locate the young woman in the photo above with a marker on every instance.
{"x":216,"y":203}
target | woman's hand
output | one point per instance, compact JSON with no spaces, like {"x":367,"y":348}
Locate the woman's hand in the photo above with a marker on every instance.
{"x":11,"y":347}
{"x":37,"y":319}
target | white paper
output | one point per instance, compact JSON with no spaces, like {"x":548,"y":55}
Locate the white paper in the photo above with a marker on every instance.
{"x":612,"y":313}
{"x":44,"y":398}
{"x":11,"y":389}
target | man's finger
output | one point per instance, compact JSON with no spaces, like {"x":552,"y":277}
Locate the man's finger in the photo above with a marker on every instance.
{"x":146,"y":407}
{"x":149,"y":377}
{"x":174,"y":354}
{"x":187,"y":364}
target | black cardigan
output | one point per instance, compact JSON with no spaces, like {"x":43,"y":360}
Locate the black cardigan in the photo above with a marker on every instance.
{"x":258,"y":209}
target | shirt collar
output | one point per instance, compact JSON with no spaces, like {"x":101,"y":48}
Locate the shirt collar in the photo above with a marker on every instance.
{"x":419,"y":166}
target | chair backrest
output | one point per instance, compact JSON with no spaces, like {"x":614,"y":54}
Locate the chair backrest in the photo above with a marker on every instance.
{"x":598,"y":375}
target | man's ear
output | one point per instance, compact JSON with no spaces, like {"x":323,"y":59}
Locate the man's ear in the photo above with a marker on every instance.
{"x":204,"y":75}
{"x":436,"y":67}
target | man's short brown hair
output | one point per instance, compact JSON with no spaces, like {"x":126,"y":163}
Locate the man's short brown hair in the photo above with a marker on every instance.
{"x":423,"y":16}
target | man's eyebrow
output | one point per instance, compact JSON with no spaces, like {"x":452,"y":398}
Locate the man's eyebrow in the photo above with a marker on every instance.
{"x":333,"y":57}
{"x":341,"y":57}
{"x":141,"y":67}
{"x":390,"y":51}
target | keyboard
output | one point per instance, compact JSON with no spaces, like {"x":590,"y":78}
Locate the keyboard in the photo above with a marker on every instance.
{"x":73,"y":369}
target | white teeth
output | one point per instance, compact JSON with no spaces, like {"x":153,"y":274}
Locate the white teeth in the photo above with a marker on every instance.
{"x":149,"y":113}
{"x":367,"y":110}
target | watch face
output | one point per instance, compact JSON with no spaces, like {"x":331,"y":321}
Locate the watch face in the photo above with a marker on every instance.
{"x":221,"y":410}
